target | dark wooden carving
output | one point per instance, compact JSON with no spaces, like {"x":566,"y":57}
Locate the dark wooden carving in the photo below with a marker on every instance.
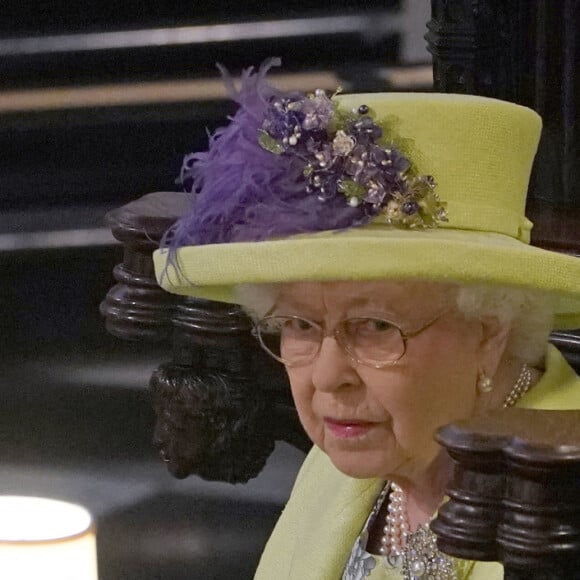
{"x":514,"y":494}
{"x":465,"y":39}
{"x":525,"y":51}
{"x":222,"y":402}
{"x":136,"y":308}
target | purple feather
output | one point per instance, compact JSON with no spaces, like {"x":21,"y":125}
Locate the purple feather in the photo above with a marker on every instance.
{"x":245,"y":193}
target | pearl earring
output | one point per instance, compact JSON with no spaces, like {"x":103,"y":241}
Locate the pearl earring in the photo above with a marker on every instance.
{"x":484,"y":383}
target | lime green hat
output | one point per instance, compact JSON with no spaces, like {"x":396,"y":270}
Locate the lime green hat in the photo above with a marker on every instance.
{"x":442,"y":199}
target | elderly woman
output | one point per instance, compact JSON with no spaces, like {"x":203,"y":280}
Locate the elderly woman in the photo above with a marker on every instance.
{"x":379,"y":242}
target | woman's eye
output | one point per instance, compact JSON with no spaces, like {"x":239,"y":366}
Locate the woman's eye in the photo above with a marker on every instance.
{"x":372,"y":325}
{"x":380,"y":325}
{"x":300,"y":324}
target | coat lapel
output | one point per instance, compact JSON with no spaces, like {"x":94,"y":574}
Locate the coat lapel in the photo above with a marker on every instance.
{"x":335,"y":520}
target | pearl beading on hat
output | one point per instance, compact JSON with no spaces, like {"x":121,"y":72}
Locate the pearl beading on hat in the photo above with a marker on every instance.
{"x":416,"y":552}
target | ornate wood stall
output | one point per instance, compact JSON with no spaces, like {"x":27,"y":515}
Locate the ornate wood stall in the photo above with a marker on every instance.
{"x":221,"y":403}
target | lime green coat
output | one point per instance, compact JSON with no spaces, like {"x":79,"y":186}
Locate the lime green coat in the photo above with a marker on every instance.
{"x":327,"y":509}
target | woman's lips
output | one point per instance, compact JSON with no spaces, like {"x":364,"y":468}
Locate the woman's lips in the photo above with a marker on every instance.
{"x":348,"y":428}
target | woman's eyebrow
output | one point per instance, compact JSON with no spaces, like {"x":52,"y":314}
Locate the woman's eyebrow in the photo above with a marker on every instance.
{"x":359,"y":302}
{"x":374,"y":303}
{"x":289,"y":303}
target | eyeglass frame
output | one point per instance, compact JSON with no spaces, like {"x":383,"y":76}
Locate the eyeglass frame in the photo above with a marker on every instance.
{"x":405,"y":336}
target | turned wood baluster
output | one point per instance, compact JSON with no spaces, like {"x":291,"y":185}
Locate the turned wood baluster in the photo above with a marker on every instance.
{"x":514,"y":497}
{"x":136,"y":308}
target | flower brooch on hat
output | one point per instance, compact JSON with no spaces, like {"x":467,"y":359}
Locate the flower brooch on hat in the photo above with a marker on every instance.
{"x":291,"y":163}
{"x":349,"y":154}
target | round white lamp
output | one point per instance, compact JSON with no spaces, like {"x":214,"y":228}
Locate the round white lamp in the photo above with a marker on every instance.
{"x":45,"y":539}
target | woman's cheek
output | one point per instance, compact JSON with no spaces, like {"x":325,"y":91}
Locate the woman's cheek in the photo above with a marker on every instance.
{"x":302,"y":394}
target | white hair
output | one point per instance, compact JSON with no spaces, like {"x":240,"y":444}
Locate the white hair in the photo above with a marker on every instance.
{"x":528,"y":311}
{"x":257,"y":299}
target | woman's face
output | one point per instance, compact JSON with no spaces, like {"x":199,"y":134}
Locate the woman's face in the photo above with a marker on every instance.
{"x":380,"y":422}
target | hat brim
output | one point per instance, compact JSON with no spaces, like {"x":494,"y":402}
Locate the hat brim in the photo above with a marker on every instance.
{"x":374,"y":253}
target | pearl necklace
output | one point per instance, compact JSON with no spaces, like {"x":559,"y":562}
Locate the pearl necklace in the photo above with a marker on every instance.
{"x":521,"y":387}
{"x":396,"y":527}
{"x":416,"y":552}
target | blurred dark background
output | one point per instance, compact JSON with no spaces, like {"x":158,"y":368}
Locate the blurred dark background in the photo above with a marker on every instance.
{"x":98,"y":104}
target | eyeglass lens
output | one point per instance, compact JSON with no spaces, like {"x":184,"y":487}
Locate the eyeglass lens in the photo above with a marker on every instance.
{"x":295,"y":340}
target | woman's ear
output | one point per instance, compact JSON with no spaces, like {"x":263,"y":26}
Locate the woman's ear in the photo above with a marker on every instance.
{"x":494,"y":339}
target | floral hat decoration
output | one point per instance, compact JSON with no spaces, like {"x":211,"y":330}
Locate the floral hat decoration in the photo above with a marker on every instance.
{"x":359,"y":187}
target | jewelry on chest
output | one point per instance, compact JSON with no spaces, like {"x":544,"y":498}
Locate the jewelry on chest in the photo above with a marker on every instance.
{"x":415,"y":553}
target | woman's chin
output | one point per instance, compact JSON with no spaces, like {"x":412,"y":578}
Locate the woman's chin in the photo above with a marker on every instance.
{"x":359,"y":464}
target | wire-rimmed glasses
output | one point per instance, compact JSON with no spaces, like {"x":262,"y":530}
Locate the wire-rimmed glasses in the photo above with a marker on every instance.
{"x":370,"y":341}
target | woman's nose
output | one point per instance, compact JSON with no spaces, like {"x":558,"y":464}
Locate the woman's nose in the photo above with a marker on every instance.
{"x":333,"y":368}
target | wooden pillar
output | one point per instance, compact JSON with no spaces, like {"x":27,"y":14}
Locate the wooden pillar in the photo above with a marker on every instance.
{"x":527,"y":52}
